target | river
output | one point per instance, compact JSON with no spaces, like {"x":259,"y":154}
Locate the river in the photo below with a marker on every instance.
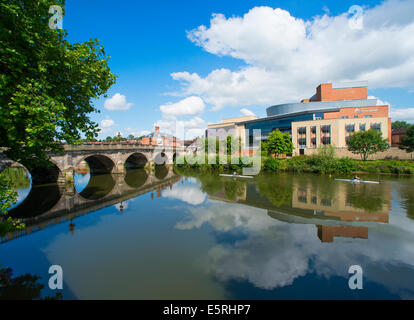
{"x":193,"y":235}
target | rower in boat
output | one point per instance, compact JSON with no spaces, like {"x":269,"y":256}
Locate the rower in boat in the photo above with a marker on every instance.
{"x":356,"y":179}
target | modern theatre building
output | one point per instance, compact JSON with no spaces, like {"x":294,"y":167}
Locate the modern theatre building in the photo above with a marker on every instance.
{"x":327,"y":118}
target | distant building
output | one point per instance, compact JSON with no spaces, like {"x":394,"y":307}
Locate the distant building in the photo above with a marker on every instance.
{"x":160,"y":139}
{"x":397,"y":134}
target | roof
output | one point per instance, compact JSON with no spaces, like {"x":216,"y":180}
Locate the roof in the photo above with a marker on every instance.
{"x":399,"y":131}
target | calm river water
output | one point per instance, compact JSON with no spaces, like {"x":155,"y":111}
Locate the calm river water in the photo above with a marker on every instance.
{"x":188,"y":235}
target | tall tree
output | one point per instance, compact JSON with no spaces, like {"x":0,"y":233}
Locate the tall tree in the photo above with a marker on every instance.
{"x":46,"y":83}
{"x":366,"y":143}
{"x":278,"y":143}
{"x":407,"y":141}
{"x":400,"y":124}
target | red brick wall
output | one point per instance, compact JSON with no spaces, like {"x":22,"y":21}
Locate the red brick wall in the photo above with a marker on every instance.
{"x":325,"y":93}
{"x":374,"y":111}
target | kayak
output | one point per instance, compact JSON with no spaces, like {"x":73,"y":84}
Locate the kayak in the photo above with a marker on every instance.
{"x":235,"y":176}
{"x":357,"y":181}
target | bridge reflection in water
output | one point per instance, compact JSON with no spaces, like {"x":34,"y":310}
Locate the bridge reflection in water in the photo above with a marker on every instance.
{"x":51,"y":204}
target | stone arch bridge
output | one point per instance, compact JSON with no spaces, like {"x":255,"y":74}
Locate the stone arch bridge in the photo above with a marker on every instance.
{"x":102,"y":159}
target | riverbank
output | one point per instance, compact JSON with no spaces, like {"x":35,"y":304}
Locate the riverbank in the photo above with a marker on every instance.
{"x":316,"y":164}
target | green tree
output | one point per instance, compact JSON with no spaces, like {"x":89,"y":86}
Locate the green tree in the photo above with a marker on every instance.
{"x":400,"y":124}
{"x":46,"y":83}
{"x":407,"y":141}
{"x":131,"y":137}
{"x":233,"y":144}
{"x":366,"y":143}
{"x":210,"y":141}
{"x":278,"y":143}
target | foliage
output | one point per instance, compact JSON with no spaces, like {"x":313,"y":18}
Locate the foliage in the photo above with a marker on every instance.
{"x":407,"y":141}
{"x":400,"y":124}
{"x":8,"y":198}
{"x":366,"y":143}
{"x":233,"y":144}
{"x":24,"y":287}
{"x":278,"y":143}
{"x":46,"y":83}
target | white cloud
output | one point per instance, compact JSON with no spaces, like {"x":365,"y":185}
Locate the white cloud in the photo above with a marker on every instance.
{"x":247,"y":112}
{"x":190,"y":195}
{"x":379,"y":101}
{"x":183,"y":129}
{"x":402,"y":114}
{"x":287,"y":57}
{"x":188,"y":106}
{"x":136,"y":132}
{"x":117,"y":102}
{"x":107,"y":123}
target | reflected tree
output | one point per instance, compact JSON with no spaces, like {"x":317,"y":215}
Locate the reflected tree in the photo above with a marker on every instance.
{"x":25,"y":287}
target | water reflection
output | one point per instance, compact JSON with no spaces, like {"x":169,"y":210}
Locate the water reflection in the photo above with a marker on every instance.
{"x":319,"y":228}
{"x":276,"y":236}
{"x":136,"y":178}
{"x":99,"y":186}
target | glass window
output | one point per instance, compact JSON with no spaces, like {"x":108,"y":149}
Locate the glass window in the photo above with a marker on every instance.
{"x":350,"y":128}
{"x":326,"y":140}
{"x":313,"y":130}
{"x":326,"y":129}
{"x":368,"y":116}
{"x":362,"y":126}
{"x":344,"y":117}
{"x":376,"y":126}
{"x":302,"y":130}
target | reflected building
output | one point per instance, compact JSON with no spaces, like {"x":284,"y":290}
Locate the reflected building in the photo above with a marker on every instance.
{"x":333,"y":207}
{"x":340,"y":204}
{"x":328,"y":233}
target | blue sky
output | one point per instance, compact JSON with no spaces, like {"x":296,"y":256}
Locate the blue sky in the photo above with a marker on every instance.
{"x":148,"y":41}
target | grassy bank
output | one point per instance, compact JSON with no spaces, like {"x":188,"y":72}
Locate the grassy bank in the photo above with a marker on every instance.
{"x":316,"y":164}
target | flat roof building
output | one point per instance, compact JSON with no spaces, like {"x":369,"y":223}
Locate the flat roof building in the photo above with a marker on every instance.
{"x":331,"y":102}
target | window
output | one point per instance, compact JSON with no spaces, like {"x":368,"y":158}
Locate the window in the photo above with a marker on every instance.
{"x":350,"y":128}
{"x":326,"y":135}
{"x":362,"y":126}
{"x":376,"y":126}
{"x":302,"y":137}
{"x":356,"y":117}
{"x":368,"y":116}
{"x":313,"y":130}
{"x":326,"y":202}
{"x":302,"y":142}
{"x":326,"y":129}
{"x":326,"y":141}
{"x":344,"y":117}
{"x":313,"y":142}
{"x":302,"y":130}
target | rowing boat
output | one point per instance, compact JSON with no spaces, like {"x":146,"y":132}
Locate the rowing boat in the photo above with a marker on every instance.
{"x":235,"y":176}
{"x":357,"y":181}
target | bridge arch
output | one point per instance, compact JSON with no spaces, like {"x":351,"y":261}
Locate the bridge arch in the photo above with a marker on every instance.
{"x":136,"y":160}
{"x":45,"y":191}
{"x":98,"y":164}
